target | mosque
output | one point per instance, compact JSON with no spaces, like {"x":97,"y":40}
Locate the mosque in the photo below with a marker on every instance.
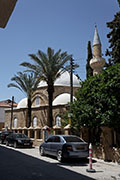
{"x":61,"y":98}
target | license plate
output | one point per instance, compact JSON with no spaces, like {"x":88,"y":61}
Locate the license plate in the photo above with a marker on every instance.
{"x":26,"y":144}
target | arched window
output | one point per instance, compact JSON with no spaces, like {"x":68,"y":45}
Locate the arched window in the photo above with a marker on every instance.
{"x":15,"y":122}
{"x":58,"y":120}
{"x":34,"y":121}
{"x":37,"y":101}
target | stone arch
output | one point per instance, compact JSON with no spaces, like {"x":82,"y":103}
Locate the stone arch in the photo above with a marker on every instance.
{"x":43,"y":98}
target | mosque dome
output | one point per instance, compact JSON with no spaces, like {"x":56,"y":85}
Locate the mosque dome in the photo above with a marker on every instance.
{"x":22,"y":103}
{"x":62,"y":99}
{"x":63,"y":80}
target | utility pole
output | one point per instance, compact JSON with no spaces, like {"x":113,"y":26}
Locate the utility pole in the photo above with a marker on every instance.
{"x":71,"y":89}
{"x":11,"y":113}
{"x":71,"y":80}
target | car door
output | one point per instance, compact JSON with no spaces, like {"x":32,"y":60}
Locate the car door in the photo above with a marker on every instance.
{"x":55,"y":145}
{"x":47,"y":145}
{"x":9,"y":139}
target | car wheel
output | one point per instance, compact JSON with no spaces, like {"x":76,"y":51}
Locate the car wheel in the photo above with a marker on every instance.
{"x":30,"y":146}
{"x":15,"y":145}
{"x":59,"y":156}
{"x":42,"y":151}
{"x":1,"y":142}
{"x":7,"y":144}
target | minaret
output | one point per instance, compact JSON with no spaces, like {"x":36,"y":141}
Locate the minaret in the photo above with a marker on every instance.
{"x":97,"y":62}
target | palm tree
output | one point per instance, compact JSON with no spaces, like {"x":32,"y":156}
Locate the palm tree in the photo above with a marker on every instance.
{"x":48,"y":67}
{"x":28,"y":84}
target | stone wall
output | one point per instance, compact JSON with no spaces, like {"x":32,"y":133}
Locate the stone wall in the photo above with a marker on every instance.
{"x":40,"y":112}
{"x":108,"y":146}
{"x":1,"y":125}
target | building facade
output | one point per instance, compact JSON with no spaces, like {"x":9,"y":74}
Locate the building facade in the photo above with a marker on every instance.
{"x":3,"y":105}
{"x":39,"y":116}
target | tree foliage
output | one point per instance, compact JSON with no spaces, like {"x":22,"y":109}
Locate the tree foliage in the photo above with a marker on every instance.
{"x":114,"y":39}
{"x":48,"y":67}
{"x":27,"y":83}
{"x":89,"y":71}
{"x":98,"y":100}
{"x":118,"y":2}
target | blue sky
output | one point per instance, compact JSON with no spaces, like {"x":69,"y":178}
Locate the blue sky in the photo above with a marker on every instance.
{"x":59,"y":24}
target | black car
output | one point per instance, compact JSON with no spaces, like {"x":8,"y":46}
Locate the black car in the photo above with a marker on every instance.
{"x":3,"y":136}
{"x":64,"y":146}
{"x":18,"y":140}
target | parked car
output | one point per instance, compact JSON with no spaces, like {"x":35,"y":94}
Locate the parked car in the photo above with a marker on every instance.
{"x":64,"y":146}
{"x":18,"y":140}
{"x":3,"y":136}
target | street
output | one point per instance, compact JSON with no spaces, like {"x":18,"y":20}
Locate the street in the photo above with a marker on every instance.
{"x":27,"y":164}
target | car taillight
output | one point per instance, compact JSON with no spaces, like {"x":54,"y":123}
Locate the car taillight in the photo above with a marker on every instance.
{"x":69,"y":148}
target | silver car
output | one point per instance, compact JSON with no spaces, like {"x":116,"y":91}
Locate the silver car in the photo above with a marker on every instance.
{"x":64,"y":146}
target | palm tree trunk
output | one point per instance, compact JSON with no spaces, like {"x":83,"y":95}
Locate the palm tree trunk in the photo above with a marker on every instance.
{"x":50,"y":99}
{"x":29,"y":112}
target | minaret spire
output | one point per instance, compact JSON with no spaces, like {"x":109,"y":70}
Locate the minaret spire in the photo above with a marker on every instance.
{"x":97,"y":63}
{"x":96,"y":39}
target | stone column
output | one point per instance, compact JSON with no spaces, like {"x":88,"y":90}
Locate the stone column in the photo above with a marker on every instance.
{"x":45,"y":133}
{"x":57,"y":130}
{"x":19,"y":130}
{"x":37,"y":129}
{"x":29,"y":131}
{"x":24,"y":130}
{"x":67,"y":129}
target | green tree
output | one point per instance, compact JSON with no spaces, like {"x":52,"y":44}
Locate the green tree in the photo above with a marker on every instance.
{"x":89,"y":71}
{"x":48,"y":67}
{"x":98,"y":100}
{"x":28,"y":84}
{"x":114,"y":39}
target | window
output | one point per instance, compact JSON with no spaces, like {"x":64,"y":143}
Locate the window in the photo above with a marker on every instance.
{"x":51,"y":139}
{"x":34,"y":121}
{"x":58,"y":121}
{"x":37,"y":101}
{"x":72,"y":139}
{"x":15,"y":122}
{"x":56,"y":139}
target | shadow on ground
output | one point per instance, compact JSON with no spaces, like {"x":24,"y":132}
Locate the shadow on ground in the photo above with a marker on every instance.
{"x":18,"y":166}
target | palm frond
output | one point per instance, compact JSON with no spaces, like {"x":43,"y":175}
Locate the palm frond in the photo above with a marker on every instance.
{"x":14,"y":85}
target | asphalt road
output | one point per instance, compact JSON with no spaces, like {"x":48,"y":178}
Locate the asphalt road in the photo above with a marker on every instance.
{"x":15,"y":165}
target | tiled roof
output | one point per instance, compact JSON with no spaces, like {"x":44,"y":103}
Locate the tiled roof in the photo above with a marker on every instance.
{"x":7,"y":103}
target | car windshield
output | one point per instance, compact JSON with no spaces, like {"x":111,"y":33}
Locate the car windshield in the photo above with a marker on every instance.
{"x":72,"y":139}
{"x":21,"y":136}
